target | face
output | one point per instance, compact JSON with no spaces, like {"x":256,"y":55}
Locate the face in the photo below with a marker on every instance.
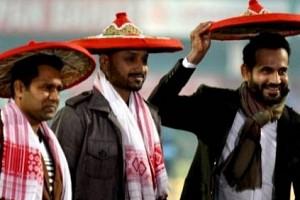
{"x":39,"y":101}
{"x":269,"y":78}
{"x":126,"y":70}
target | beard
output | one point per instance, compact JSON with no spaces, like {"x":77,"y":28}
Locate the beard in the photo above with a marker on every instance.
{"x":134,"y":87}
{"x":257,"y":90}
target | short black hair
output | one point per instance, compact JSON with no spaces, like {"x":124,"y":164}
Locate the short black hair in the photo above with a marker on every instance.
{"x":27,"y":69}
{"x":264,"y":40}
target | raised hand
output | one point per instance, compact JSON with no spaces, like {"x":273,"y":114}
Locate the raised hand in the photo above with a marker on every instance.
{"x":200,"y":42}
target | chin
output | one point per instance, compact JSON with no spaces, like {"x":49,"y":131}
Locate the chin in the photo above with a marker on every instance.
{"x":48,"y":116}
{"x":272,"y":100}
{"x":135,"y":88}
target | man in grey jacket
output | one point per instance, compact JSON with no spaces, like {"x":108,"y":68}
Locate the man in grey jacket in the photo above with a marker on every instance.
{"x":110,"y":135}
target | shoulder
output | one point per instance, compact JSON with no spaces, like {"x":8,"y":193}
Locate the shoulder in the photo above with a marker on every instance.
{"x":292,"y":115}
{"x":76,"y":105}
{"x":75,"y":110}
{"x":154,"y":113}
{"x":79,"y":99}
{"x":217,"y":93}
{"x":153,"y":109}
{"x":211,"y":89}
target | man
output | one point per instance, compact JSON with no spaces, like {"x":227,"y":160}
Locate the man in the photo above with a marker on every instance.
{"x":248,"y":139}
{"x":110,"y":135}
{"x":33,"y":164}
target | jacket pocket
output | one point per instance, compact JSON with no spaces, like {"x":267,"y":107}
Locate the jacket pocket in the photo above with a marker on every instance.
{"x":101,"y":160}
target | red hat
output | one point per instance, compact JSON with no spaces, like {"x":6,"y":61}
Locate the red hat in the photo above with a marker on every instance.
{"x":78,"y":62}
{"x":255,"y":20}
{"x":123,"y":34}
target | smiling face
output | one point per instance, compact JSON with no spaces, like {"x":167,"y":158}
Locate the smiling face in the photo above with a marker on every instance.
{"x":39,"y":100}
{"x":268,"y":80}
{"x":126,"y":70}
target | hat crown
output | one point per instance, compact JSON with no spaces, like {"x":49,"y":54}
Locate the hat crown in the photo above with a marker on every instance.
{"x":31,"y":43}
{"x":255,"y":6}
{"x":121,"y":18}
{"x":122,"y":26}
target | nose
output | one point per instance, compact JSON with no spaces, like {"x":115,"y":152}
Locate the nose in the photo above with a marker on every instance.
{"x":54,"y":95}
{"x":140,"y":67}
{"x":275,"y":78}
{"x":140,"y":64}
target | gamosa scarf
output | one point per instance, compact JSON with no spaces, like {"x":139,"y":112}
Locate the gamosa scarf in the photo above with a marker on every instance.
{"x":144,"y":164}
{"x":22,"y":175}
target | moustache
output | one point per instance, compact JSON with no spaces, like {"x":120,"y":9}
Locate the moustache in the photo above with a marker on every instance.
{"x":51,"y":104}
{"x":137,"y":74}
{"x":283,"y":87}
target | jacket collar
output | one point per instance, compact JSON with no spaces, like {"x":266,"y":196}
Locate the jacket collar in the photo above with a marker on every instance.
{"x":98,"y":102}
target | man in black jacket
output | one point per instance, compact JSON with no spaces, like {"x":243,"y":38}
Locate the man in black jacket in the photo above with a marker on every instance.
{"x":247,"y":137}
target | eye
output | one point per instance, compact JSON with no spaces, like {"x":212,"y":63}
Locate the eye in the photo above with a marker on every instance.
{"x":46,"y":87}
{"x":130,"y":58}
{"x":282,"y":71}
{"x":266,"y":70}
{"x":51,"y":88}
{"x":59,"y":88}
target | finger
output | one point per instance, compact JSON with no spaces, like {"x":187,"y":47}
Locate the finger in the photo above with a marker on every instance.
{"x":203,"y":27}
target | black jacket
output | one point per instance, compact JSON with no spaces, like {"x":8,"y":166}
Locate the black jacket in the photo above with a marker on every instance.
{"x":209,"y":114}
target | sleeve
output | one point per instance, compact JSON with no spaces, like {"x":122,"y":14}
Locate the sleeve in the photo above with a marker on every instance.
{"x":70,"y":129}
{"x":176,"y":111}
{"x":1,"y":140}
{"x":187,"y":64}
{"x":296,"y":186}
{"x":296,"y":170}
{"x":295,"y":151}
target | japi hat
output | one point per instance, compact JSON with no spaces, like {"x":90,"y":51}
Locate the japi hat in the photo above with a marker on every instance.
{"x":255,"y":20}
{"x":123,"y":34}
{"x":78,"y":62}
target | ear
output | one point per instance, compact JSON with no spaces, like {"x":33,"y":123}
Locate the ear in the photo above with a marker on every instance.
{"x":104,"y":63}
{"x":246,"y":73}
{"x":19,"y":89}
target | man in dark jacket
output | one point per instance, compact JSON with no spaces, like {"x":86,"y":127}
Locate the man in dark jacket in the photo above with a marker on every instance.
{"x":248,"y":138}
{"x":110,"y":135}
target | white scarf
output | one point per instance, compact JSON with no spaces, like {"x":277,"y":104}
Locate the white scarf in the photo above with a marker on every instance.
{"x":22,"y":175}
{"x":144,"y":164}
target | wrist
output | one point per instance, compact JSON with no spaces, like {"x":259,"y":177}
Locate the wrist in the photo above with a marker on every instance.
{"x":194,"y":58}
{"x":188,"y":64}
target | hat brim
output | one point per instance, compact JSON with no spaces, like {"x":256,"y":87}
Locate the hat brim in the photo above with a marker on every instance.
{"x":245,"y":27}
{"x":78,"y":62}
{"x":151,"y":44}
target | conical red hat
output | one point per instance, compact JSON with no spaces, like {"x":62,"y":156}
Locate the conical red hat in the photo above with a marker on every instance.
{"x":123,"y":34}
{"x":78,"y":62}
{"x":255,"y":20}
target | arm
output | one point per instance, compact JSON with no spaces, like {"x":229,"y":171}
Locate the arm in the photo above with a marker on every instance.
{"x":173,"y":108}
{"x":69,"y":130}
{"x":200,"y":43}
{"x":292,"y":138}
{"x":296,"y":161}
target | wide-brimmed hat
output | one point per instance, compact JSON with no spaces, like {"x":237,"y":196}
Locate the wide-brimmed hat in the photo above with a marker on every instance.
{"x":78,"y":62}
{"x":255,"y":20}
{"x":123,"y":34}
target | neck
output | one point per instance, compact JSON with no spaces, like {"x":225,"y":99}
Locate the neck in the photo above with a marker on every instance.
{"x":124,"y":94}
{"x":35,"y":126}
{"x":34,"y":123}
